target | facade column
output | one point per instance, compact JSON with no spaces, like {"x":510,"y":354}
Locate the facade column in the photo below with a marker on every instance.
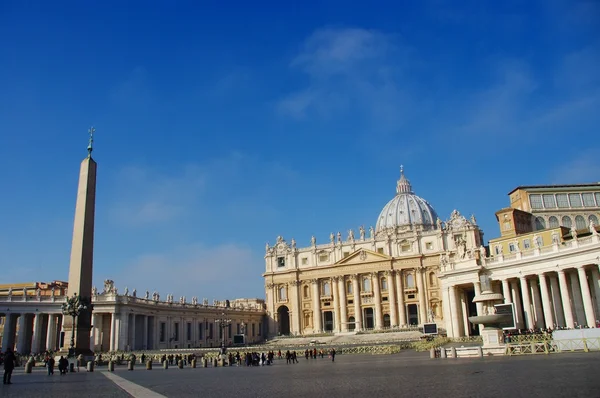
{"x":343,"y":304}
{"x":559,"y":316}
{"x":392,"y":298}
{"x":566,"y":300}
{"x":596,"y":287}
{"x":546,"y":303}
{"x":357,"y":306}
{"x":537,"y":304}
{"x":518,"y":307}
{"x":527,"y":316}
{"x":479,"y":306}
{"x":377,"y":300}
{"x":401,"y":305}
{"x":52,"y":332}
{"x":577,"y":298}
{"x":132,"y":346}
{"x":296,"y":308}
{"x":113,"y":332}
{"x":422,"y":300}
{"x":37,"y":333}
{"x":506,"y":291}
{"x":316,"y":307}
{"x":336,"y":303}
{"x":22,"y":337}
{"x":9,"y":332}
{"x":587,"y":298}
{"x":454,"y":315}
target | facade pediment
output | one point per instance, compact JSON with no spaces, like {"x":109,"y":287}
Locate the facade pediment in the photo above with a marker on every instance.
{"x":362,"y":256}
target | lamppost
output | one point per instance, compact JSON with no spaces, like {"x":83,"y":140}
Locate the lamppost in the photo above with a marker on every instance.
{"x":223,"y":322}
{"x":73,"y":307}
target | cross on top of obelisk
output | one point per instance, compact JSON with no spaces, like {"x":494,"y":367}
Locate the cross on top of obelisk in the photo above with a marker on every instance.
{"x":90,"y":148}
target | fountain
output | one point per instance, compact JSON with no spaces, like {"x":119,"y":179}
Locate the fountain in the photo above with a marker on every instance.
{"x":493,"y":342}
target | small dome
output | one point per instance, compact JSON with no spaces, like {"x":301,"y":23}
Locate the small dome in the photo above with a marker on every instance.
{"x":406,"y":209}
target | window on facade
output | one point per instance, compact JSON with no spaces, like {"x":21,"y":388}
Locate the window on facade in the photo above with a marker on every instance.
{"x":410,"y":281}
{"x":404,"y":246}
{"x":380,"y":250}
{"x":526,"y":243}
{"x":580,"y":222}
{"x":507,"y":226}
{"x":575,"y":199}
{"x":176,"y":334}
{"x":162,"y":332}
{"x":511,"y":247}
{"x":497,"y":249}
{"x":306,"y":320}
{"x":189,"y":331}
{"x":540,"y":223}
{"x":566,"y":222}
{"x":432,"y":279}
{"x":304,"y":261}
{"x":553,"y":222}
{"x":281,"y":261}
{"x":594,"y":219}
{"x":384,"y":284}
{"x":597,"y":196}
{"x":535,"y":201}
{"x":549,"y":201}
{"x":588,"y":199}
{"x":429,"y":246}
{"x":540,"y":241}
{"x":386,"y":320}
{"x":562,"y":200}
{"x":282,"y":294}
{"x":306,"y":290}
{"x":366,"y":285}
{"x":555,"y":238}
{"x":346,"y":254}
{"x":326,"y":289}
{"x":349,"y":287}
{"x":323,"y":257}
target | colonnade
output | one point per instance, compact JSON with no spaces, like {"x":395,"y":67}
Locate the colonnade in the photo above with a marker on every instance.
{"x":354,"y":304}
{"x":565,"y":297}
{"x":31,"y":332}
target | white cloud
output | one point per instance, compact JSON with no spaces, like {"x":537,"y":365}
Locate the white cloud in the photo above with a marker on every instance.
{"x":224,"y":271}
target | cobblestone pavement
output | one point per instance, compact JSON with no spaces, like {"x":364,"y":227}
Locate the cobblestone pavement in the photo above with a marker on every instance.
{"x":407,"y":374}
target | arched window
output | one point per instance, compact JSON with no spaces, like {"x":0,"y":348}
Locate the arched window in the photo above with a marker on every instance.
{"x":497,"y":249}
{"x":553,"y":222}
{"x":593,"y":219}
{"x":566,"y":222}
{"x":306,"y":291}
{"x":540,"y":223}
{"x":410,"y":281}
{"x":351,"y":324}
{"x":384,"y":284}
{"x":366,"y":284}
{"x":307,"y":320}
{"x":580,"y":222}
{"x":349,"y":287}
{"x":282,"y":294}
{"x":326,"y":289}
{"x":432,"y":279}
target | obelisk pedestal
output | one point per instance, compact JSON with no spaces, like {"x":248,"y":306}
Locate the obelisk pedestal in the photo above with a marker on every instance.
{"x":82,"y":258}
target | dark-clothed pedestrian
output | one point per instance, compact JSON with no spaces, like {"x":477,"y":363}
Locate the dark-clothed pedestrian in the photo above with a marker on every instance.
{"x":9,"y":365}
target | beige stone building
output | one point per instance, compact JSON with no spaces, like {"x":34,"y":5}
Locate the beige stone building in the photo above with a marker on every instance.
{"x":383,"y":277}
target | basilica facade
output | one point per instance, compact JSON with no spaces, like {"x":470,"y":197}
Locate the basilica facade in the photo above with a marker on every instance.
{"x":383,"y":277}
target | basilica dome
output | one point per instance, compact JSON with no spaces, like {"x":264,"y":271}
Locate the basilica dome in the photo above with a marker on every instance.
{"x":406,"y":209}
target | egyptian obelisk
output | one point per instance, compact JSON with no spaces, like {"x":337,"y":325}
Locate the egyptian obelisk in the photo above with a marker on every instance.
{"x":82,"y":254}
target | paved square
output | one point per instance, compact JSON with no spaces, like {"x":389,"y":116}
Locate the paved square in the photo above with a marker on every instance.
{"x":406,"y":374}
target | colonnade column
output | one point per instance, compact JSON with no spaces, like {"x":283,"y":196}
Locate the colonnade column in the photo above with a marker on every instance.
{"x":520,"y":323}
{"x":527,"y":316}
{"x":336,"y":303}
{"x":51,"y":333}
{"x":343,"y":304}
{"x":401,"y":306}
{"x":357,"y":307}
{"x":22,"y":338}
{"x":546,"y":303}
{"x":296,"y":307}
{"x":377,"y":300}
{"x":454,"y":315}
{"x":113,"y":329}
{"x":588,"y":307}
{"x":506,"y":291}
{"x":537,"y":304}
{"x":316,"y":307}
{"x":422,"y":300}
{"x":559,"y":317}
{"x":37,"y":333}
{"x":596,"y":287}
{"x":566,"y":301}
{"x":9,"y":332}
{"x":392,"y":300}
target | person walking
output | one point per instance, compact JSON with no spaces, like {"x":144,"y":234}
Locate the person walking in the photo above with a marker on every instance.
{"x":9,"y":365}
{"x":50,"y":365}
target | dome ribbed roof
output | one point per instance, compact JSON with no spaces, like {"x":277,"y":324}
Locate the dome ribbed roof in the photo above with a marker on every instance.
{"x":406,"y":208}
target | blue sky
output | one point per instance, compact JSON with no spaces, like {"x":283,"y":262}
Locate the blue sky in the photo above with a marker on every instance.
{"x":222,"y":125}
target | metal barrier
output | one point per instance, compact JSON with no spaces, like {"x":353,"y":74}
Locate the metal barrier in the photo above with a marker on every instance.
{"x":553,"y":346}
